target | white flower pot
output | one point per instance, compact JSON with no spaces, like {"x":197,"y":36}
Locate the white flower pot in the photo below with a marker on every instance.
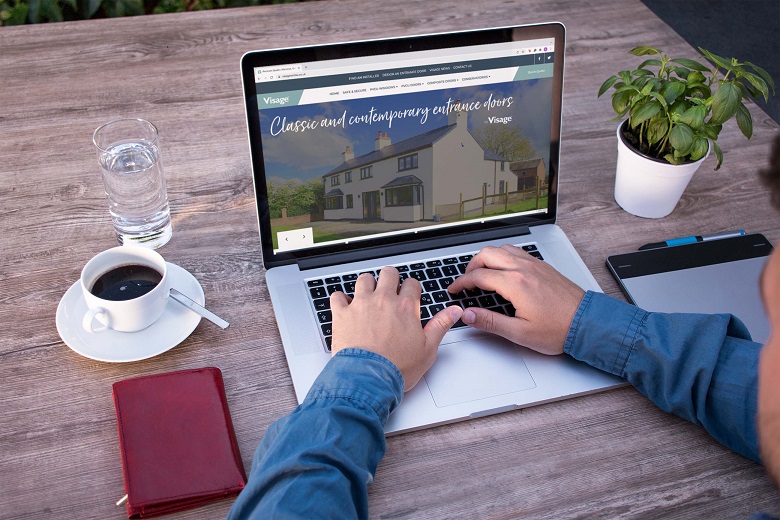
{"x":648,"y":187}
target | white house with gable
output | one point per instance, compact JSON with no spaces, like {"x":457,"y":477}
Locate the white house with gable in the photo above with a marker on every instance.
{"x":407,"y":181}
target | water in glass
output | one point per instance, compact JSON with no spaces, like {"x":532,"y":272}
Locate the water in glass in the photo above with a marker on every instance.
{"x":135,"y":186}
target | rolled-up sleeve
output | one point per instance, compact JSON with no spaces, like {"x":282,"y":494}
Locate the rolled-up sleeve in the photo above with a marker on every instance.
{"x":702,"y":367}
{"x":319,"y":460}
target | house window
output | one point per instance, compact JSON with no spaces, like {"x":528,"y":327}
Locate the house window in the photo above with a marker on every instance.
{"x":334,"y":202}
{"x":334,"y":181}
{"x":502,"y":165}
{"x":349,"y":201}
{"x":501,"y":187}
{"x":403,"y":196}
{"x":365,"y":173}
{"x":347,"y":177}
{"x":408,"y":162}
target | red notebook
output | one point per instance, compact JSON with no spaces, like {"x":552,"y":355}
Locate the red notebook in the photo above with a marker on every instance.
{"x":176,"y":437}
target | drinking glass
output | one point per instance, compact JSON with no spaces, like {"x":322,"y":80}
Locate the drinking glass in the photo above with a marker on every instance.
{"x":133,"y":176}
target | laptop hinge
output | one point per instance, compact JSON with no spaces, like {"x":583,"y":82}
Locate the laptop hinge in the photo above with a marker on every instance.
{"x":314,"y":262}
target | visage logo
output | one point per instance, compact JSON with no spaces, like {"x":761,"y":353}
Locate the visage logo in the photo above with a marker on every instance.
{"x":502,"y":120}
{"x":269,"y":100}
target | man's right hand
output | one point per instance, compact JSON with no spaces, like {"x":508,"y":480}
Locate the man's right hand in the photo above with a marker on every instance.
{"x":545,"y":300}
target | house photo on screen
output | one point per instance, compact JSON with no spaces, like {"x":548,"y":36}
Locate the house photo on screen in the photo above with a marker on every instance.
{"x":359,"y":168}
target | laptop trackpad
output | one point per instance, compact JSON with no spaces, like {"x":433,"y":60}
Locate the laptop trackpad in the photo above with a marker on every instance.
{"x":477,"y":368}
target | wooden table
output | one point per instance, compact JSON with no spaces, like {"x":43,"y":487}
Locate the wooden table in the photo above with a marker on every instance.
{"x":611,"y":455}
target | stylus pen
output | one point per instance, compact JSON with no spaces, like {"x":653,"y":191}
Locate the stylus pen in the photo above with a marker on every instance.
{"x":693,"y":239}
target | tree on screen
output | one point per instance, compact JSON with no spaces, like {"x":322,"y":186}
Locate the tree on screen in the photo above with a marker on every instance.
{"x":299,"y":198}
{"x":506,"y":141}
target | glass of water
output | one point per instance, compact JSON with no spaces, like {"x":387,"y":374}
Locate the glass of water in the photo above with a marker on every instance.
{"x":129,"y":157}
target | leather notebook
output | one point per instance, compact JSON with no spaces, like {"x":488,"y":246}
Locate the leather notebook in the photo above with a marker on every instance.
{"x":177,"y":442}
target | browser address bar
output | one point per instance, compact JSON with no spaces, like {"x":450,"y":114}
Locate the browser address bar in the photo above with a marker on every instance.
{"x":325,"y":70}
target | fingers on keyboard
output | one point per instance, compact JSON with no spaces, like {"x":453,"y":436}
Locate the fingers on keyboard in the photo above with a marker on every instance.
{"x":435,"y":276}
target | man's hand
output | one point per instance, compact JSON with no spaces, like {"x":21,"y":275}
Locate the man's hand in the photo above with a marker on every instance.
{"x":545,"y":301}
{"x":383,"y":319}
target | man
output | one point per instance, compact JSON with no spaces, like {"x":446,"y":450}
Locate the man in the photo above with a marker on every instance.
{"x":320,"y":459}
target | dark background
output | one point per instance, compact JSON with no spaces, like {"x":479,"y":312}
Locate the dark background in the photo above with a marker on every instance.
{"x":748,"y":30}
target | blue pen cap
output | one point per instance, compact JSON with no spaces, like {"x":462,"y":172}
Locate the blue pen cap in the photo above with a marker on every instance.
{"x":681,"y":241}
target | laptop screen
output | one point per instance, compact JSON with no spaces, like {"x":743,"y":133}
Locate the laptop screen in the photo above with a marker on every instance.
{"x":431,"y":136}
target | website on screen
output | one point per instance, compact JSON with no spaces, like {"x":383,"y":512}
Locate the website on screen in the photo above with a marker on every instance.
{"x":357,"y":149}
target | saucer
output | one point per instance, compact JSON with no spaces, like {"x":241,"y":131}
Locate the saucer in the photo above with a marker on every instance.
{"x":173,"y":327}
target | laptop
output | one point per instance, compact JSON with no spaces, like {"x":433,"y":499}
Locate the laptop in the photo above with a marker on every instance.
{"x":414,"y":152}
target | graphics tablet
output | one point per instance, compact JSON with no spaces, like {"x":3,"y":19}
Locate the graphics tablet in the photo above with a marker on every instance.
{"x":719,"y":276}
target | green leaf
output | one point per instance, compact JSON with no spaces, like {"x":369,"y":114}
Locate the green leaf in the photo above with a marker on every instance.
{"x":746,"y":90}
{"x":682,"y":72}
{"x":699,"y":149}
{"x":653,"y":62}
{"x":643,"y":72}
{"x":678,"y":107}
{"x":644,"y":50}
{"x":696,"y":77}
{"x":691,"y":64}
{"x":703,"y":90}
{"x":672,"y":159}
{"x":712,"y":131}
{"x":644,"y":112}
{"x":759,"y":83}
{"x":658,"y":97}
{"x":745,"y":121}
{"x":764,"y":75}
{"x":624,"y":87}
{"x":640,"y":82}
{"x":718,"y":154}
{"x":694,"y":117}
{"x":646,"y":89}
{"x":672,"y":90}
{"x":18,"y":14}
{"x":681,"y":138}
{"x":607,"y":84}
{"x":719,"y":62}
{"x":620,"y":101}
{"x":657,"y":130}
{"x":725,"y":103}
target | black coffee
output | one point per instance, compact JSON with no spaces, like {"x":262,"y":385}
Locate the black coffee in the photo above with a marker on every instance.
{"x":126,"y":282}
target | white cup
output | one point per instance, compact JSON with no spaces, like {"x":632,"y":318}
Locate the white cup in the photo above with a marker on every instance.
{"x":124,"y":315}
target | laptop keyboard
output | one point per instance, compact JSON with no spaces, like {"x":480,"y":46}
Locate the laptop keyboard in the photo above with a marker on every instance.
{"x":434,"y":275}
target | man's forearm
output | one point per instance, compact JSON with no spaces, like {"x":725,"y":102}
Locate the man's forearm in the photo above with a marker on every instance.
{"x":320,"y":459}
{"x":701,"y":367}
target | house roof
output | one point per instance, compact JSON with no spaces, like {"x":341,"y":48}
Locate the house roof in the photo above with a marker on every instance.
{"x":406,"y":180}
{"x":407,"y":145}
{"x":334,"y":192}
{"x":525,"y":165}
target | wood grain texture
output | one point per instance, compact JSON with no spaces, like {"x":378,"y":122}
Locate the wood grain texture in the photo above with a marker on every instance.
{"x":610,"y":455}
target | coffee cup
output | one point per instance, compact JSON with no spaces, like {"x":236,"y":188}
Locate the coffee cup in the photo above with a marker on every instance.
{"x":126,"y":289}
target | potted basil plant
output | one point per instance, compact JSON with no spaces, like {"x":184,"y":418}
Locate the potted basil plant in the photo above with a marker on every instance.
{"x":674,"y":110}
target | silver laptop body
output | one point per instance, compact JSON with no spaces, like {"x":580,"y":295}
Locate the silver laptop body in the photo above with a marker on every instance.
{"x":413,"y":151}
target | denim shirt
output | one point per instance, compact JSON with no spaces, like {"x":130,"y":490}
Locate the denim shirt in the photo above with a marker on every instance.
{"x":319,"y":460}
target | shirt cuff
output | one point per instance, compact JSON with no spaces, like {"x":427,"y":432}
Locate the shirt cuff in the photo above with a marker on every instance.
{"x":360,"y":377}
{"x":603,"y":332}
